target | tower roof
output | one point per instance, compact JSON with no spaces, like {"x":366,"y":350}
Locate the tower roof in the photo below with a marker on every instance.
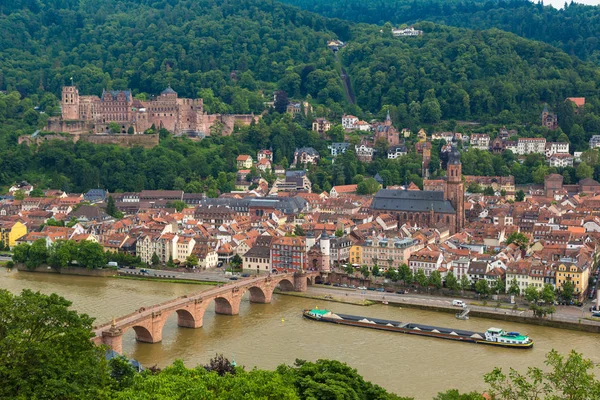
{"x":454,"y":155}
{"x":168,"y":90}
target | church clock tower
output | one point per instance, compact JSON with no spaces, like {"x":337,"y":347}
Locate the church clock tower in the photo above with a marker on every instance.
{"x":455,"y":190}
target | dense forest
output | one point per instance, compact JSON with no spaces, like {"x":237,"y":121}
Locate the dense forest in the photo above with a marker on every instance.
{"x":575,"y":28}
{"x":234,"y":54}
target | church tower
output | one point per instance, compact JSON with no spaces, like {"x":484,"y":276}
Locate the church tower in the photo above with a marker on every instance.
{"x":426,"y":161}
{"x":70,"y":103}
{"x":455,"y":190}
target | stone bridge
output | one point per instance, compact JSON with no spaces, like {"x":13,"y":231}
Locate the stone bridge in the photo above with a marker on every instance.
{"x":148,"y":322}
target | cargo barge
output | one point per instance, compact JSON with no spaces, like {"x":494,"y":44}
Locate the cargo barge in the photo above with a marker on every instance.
{"x":493,"y":336}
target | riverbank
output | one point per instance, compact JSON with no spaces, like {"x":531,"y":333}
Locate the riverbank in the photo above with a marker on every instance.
{"x":166,"y":280}
{"x":429,"y":303}
{"x":327,"y":298}
{"x":68,"y":271}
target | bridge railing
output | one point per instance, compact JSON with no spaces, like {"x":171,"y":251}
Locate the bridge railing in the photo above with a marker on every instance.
{"x":210,"y":292}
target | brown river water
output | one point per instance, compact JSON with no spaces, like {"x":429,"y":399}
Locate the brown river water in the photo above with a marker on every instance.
{"x":266,"y":335}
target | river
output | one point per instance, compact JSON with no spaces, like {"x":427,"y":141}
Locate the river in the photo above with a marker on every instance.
{"x":266,"y":335}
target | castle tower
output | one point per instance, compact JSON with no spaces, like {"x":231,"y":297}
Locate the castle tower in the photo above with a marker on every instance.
{"x":325,"y":245}
{"x":70,"y":103}
{"x":426,"y":161}
{"x":455,"y":191}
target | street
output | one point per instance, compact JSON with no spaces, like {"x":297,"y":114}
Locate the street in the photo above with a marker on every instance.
{"x":563,"y":313}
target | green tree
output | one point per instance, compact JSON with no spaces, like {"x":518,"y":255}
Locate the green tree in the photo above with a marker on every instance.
{"x":192,"y":260}
{"x":454,"y":394}
{"x":584,"y":171}
{"x":532,"y":295}
{"x":498,"y":286}
{"x":111,"y":207}
{"x":113,"y":127}
{"x":421,"y":278}
{"x":170,"y":263}
{"x":482,"y":287}
{"x":19,"y":195}
{"x":62,"y":254}
{"x":452,"y":282}
{"x":130,"y":130}
{"x":37,"y":254}
{"x":178,"y":205}
{"x":567,"y":290}
{"x":21,"y":253}
{"x":435,"y":279}
{"x":155,"y":260}
{"x":518,"y":239}
{"x":37,"y":192}
{"x":514,"y":288}
{"x":568,"y":378}
{"x":519,"y":195}
{"x":349,"y":269}
{"x":465,"y":284}
{"x":405,"y":274}
{"x":489,"y":191}
{"x":548,"y":294}
{"x":236,"y":261}
{"x":90,"y":255}
{"x":364,"y":270}
{"x":375,"y":271}
{"x":367,"y":186}
{"x":45,"y":349}
{"x":299,"y":230}
{"x":339,"y":232}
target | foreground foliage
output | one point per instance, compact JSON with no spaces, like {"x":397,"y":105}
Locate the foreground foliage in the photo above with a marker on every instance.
{"x":46,"y":353}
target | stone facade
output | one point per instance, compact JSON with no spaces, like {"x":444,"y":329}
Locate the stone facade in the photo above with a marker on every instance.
{"x":93,"y":114}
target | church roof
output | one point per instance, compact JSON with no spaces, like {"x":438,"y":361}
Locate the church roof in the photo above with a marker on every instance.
{"x":411,"y":201}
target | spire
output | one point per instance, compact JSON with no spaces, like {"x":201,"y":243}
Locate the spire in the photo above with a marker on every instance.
{"x":388,"y":118}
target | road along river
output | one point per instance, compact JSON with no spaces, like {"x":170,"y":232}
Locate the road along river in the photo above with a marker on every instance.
{"x":266,"y":335}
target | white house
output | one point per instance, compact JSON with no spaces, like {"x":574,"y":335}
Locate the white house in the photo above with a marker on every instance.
{"x":556,"y":148}
{"x":349,"y":121}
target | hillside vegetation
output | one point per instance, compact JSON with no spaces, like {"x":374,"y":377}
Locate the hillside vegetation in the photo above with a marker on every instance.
{"x":575,"y":29}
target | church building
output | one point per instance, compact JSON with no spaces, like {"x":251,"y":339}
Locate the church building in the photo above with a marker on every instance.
{"x":428,"y":207}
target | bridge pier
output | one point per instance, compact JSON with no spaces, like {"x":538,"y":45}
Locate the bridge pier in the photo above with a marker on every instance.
{"x":301,"y":282}
{"x":229,"y":304}
{"x":150,"y":330}
{"x":113,"y":338}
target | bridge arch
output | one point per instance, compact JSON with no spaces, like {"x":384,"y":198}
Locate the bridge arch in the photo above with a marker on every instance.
{"x":142,"y":334}
{"x":286,"y":284}
{"x":258,"y":294}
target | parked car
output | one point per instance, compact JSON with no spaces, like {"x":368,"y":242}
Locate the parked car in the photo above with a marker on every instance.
{"x":233,"y":278}
{"x":352,"y":287}
{"x":337,"y":285}
{"x":362,"y":288}
{"x":344,"y":285}
{"x":389,"y":290}
{"x":144,"y":271}
{"x":327,"y":284}
{"x":132,"y":267}
{"x":245,"y":275}
{"x":401,"y":291}
{"x":380,"y":289}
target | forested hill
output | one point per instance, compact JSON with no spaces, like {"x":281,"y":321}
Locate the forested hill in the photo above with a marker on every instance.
{"x":575,"y":29}
{"x":234,"y":53}
{"x":233,"y":47}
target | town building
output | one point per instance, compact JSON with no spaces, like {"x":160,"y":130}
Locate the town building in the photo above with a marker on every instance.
{"x":561,"y":160}
{"x":531,"y":145}
{"x":480,"y":141}
{"x":570,"y":269}
{"x":288,"y":253}
{"x":397,"y":151}
{"x":406,"y":32}
{"x":337,"y":148}
{"x":386,"y":131}
{"x":244,"y":161}
{"x":349,"y":121}
{"x":11,"y":231}
{"x":425,"y":260}
{"x":549,"y":120}
{"x":341,"y":190}
{"x":595,"y":141}
{"x":321,"y":125}
{"x":387,"y":252}
{"x":306,"y":155}
{"x":364,"y":152}
{"x":556,"y":148}
{"x":267,"y":154}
